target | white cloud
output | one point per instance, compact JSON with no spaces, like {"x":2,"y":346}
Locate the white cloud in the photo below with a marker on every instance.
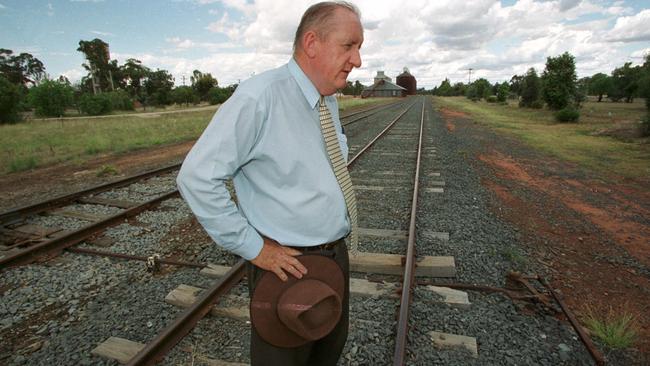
{"x":632,"y":28}
{"x":2,"y":6}
{"x":50,"y":9}
{"x":74,"y":75}
{"x":100,"y":33}
{"x":434,"y":39}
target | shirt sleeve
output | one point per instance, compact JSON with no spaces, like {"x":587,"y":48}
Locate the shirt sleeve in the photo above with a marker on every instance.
{"x":225,"y":146}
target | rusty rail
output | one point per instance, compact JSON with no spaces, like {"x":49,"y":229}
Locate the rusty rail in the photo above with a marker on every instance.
{"x":595,"y":353}
{"x":65,"y":199}
{"x":55,"y":246}
{"x":156,"y":350}
{"x":168,"y":261}
{"x":409,"y":268}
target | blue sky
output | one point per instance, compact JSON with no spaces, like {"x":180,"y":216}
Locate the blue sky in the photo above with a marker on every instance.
{"x":233,"y":39}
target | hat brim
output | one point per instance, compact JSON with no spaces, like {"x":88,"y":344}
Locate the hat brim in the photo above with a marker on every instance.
{"x":263,"y":307}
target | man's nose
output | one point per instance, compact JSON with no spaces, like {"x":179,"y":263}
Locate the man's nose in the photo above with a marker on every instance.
{"x":355,"y":60}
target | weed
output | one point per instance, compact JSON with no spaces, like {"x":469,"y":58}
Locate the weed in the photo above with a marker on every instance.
{"x":21,"y":164}
{"x":513,"y":255}
{"x":616,"y":329}
{"x":107,"y":170}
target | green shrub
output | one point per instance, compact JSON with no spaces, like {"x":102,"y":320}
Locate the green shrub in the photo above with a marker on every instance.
{"x":218,"y":95}
{"x":95,"y":105}
{"x":10,"y":98}
{"x":50,"y":98}
{"x":491,"y":99}
{"x":120,"y":100}
{"x":538,"y":104}
{"x":567,"y":114}
{"x":645,"y":126}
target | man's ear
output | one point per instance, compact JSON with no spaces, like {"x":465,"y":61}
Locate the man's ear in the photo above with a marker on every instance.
{"x":309,"y":43}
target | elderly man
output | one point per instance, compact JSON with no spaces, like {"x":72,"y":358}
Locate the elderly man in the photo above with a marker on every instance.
{"x":279,"y":138}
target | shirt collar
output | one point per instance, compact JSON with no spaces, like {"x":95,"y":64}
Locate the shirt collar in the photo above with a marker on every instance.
{"x":308,"y":89}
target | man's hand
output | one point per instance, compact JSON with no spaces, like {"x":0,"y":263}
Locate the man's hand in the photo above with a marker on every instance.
{"x":277,"y":259}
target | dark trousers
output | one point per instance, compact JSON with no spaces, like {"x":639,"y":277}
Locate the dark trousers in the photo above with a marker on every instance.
{"x":325,"y":351}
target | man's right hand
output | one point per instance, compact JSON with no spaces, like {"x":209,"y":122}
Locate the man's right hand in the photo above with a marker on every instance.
{"x":277,"y":259}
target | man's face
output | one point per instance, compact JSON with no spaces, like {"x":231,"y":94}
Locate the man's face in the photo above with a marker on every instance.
{"x":338,"y":53}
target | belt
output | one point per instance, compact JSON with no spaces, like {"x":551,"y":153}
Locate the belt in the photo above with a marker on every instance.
{"x":326,"y":246}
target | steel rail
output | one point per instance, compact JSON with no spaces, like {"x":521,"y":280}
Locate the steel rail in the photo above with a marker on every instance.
{"x":55,"y":246}
{"x":156,"y":350}
{"x":409,"y":268}
{"x":368,"y":145}
{"x":62,"y":200}
{"x":369,"y":109}
{"x":373,"y":112}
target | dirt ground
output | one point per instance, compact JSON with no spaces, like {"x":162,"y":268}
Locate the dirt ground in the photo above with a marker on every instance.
{"x":591,"y":233}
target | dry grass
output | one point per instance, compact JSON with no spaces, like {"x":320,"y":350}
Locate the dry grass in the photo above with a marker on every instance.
{"x":37,"y":143}
{"x":586,"y":143}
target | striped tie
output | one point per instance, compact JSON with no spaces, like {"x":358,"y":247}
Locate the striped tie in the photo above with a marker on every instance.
{"x":340,"y":171}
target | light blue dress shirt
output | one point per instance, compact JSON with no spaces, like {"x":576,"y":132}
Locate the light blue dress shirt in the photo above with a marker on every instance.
{"x":267,"y":138}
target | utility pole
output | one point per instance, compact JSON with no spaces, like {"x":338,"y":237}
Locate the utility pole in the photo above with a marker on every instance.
{"x":183,"y":80}
{"x":469,"y":76}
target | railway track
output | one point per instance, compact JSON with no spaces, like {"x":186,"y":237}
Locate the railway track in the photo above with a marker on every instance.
{"x":389,"y":307}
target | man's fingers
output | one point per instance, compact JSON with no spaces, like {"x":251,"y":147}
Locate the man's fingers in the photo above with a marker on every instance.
{"x":291,"y":251}
{"x":299,"y":266}
{"x":280,"y":273}
{"x":291,"y":269}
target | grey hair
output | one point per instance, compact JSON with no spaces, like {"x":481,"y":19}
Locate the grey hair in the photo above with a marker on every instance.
{"x":317,"y":16}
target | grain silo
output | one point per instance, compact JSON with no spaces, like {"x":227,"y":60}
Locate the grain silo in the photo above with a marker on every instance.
{"x":407,"y":81}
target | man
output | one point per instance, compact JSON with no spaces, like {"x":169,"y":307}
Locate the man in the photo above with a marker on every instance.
{"x":267,"y":137}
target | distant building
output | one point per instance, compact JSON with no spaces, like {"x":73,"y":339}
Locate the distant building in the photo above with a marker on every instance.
{"x":383,"y":87}
{"x":407,"y":81}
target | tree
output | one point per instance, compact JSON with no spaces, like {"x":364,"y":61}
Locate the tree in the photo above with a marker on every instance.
{"x":445,"y":88}
{"x":358,"y":87}
{"x":515,"y":84}
{"x":502,"y":92}
{"x":530,"y":89}
{"x":102,"y":72}
{"x":22,"y":69}
{"x":10,"y":97}
{"x":559,"y":81}
{"x":600,"y":84}
{"x":202,"y":83}
{"x":625,"y":82}
{"x":158,"y":87}
{"x":50,"y":98}
{"x":459,"y":89}
{"x":349,"y":88}
{"x":134,"y":74}
{"x":184,"y":95}
{"x":483,"y":88}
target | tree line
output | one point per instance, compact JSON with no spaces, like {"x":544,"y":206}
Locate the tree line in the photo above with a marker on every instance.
{"x":558,"y":87}
{"x":25,"y":86}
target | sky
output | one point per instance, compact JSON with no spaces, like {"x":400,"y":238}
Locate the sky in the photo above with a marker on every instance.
{"x":234,"y":39}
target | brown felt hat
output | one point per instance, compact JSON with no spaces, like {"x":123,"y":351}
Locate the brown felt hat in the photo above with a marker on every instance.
{"x":292,"y":313}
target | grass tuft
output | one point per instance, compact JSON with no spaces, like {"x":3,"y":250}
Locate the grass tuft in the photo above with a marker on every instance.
{"x":20,"y":164}
{"x":107,"y":170}
{"x":616,"y":329}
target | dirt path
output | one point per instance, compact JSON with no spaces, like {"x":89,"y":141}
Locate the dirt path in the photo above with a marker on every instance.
{"x":592,"y":235}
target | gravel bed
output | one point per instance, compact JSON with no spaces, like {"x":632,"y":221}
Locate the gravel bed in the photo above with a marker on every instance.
{"x":61,"y":222}
{"x":68,"y":305}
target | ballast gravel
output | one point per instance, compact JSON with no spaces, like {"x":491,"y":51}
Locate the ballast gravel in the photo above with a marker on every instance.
{"x":55,"y":313}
